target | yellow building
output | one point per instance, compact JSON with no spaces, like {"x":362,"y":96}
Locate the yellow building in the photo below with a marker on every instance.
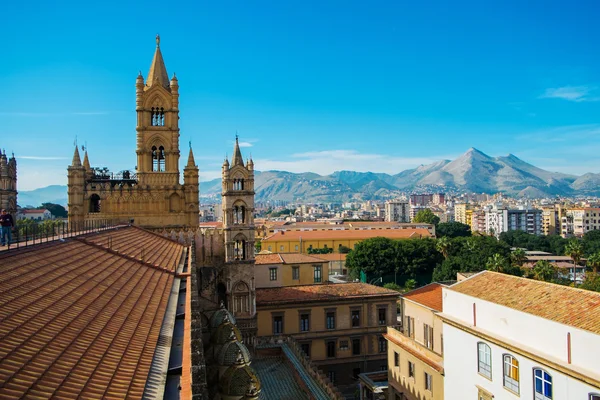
{"x":415,"y":362}
{"x":289,"y":269}
{"x":151,"y":196}
{"x":460,"y":212}
{"x":339,"y":326}
{"x":302,"y":241}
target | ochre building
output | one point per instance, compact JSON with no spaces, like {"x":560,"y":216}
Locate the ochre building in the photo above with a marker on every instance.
{"x":151,"y":196}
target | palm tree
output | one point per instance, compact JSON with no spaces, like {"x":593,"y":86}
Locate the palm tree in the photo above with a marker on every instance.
{"x":543,"y":270}
{"x":574,"y":249}
{"x":518,"y":257}
{"x":594,"y":261}
{"x":496,"y":263}
{"x":443,"y":246}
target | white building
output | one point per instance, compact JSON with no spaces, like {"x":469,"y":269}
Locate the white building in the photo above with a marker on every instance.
{"x":578,"y":221}
{"x":498,"y":220}
{"x":510,"y":338}
{"x":397,"y":211}
{"x":35,"y":214}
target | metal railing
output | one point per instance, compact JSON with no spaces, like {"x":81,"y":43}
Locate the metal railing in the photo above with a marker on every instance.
{"x":30,"y":234}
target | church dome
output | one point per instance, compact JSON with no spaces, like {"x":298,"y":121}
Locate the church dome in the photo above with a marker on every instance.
{"x":220,"y":316}
{"x":224,"y":332}
{"x":233,"y":352}
{"x":239,"y":380}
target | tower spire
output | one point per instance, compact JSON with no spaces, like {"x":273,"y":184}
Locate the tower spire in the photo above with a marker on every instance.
{"x":76,"y":159}
{"x":158,"y":71}
{"x":191,"y":162}
{"x":237,"y":154}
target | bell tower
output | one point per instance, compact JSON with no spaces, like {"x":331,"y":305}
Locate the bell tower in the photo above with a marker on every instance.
{"x":157,"y":107}
{"x":238,"y":207}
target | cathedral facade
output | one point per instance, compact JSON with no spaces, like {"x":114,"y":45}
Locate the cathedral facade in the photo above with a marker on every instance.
{"x":8,"y":183}
{"x":152,"y":195}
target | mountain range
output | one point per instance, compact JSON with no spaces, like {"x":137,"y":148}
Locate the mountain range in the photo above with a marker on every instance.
{"x":473,"y":171}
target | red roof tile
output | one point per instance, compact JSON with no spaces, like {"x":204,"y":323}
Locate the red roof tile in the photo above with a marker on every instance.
{"x":262,"y":259}
{"x":570,"y":306}
{"x":356,"y":234}
{"x":324,"y":292}
{"x":428,"y":295}
{"x":79,"y":321}
{"x":299,"y":258}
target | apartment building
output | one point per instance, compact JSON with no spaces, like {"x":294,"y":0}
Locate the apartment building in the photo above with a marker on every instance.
{"x":288,"y":269}
{"x":578,"y":221}
{"x":339,"y":326}
{"x":507,"y":337}
{"x":460,"y":212}
{"x":550,"y":220}
{"x":420,"y":199}
{"x":415,"y":353}
{"x":498,"y":220}
{"x":397,"y":210}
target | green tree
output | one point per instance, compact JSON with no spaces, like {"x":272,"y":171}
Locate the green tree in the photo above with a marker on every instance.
{"x":393,"y":286}
{"x":452,"y":229}
{"x":57,"y":210}
{"x":574,"y":249}
{"x":543,"y":270}
{"x":373,"y":256}
{"x":518,"y":256}
{"x":410,"y":284}
{"x":594,"y":261}
{"x":496,"y":263}
{"x":591,"y":282}
{"x":443,"y":245}
{"x":426,"y":216}
{"x":344,"y":249}
{"x":591,"y":242}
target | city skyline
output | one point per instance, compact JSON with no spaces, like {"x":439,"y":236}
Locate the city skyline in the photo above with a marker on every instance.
{"x":309,"y":88}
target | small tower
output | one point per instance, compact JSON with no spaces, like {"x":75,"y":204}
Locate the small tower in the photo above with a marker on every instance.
{"x":192,"y":190}
{"x":76,"y":191}
{"x":8,"y":183}
{"x":238,"y":207}
{"x":238,"y":230}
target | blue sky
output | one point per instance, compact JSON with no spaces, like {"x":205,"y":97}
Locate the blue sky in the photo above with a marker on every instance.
{"x":308,"y":85}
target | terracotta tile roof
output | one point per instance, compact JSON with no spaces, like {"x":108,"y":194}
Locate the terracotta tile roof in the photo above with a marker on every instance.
{"x":79,"y":321}
{"x":262,"y":259}
{"x":566,"y":305}
{"x":299,"y":258}
{"x":357,"y":234}
{"x":324,"y":292}
{"x":140,"y":244}
{"x":428,"y":295}
{"x":331,"y":256}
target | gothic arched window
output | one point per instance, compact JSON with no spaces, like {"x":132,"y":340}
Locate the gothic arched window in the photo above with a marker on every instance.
{"x":94,"y":203}
{"x":239,"y":214}
{"x":239,"y":248}
{"x":238,"y":184}
{"x":158,"y":159}
{"x":241,"y":298}
{"x":158,"y":116}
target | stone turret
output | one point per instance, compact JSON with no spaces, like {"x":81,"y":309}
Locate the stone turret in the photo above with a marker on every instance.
{"x":76,"y":191}
{"x":8,"y":183}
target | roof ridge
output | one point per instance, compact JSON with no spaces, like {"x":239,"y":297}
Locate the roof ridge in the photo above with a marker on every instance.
{"x":156,"y":234}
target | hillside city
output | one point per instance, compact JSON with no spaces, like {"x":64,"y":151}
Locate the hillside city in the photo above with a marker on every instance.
{"x":471,"y":278}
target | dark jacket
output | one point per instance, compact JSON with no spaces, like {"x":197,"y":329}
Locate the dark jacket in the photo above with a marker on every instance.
{"x":6,"y":220}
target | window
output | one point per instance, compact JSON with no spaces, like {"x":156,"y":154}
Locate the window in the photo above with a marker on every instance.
{"x":594,"y":396}
{"x":484,"y":360}
{"x":542,"y":384}
{"x":330,"y":349}
{"x":355,"y":317}
{"x":280,"y":248}
{"x":511,"y":373}
{"x":411,"y":370}
{"x":305,"y":348}
{"x":396,"y":359}
{"x":410,"y":327}
{"x":428,"y":382}
{"x":295,"y":273}
{"x":158,"y":116}
{"x":158,"y":159}
{"x":331,"y":376}
{"x":296,"y":247}
{"x":330,"y":320}
{"x":382,"y":317}
{"x":273,"y":274}
{"x":304,"y":322}
{"x":355,"y":347}
{"x":278,"y":325}
{"x":382,"y":344}
{"x":317,"y":274}
{"x":269,"y":248}
{"x":428,"y":336}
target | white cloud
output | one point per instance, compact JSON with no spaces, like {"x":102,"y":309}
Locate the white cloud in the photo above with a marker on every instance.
{"x":245,"y":144}
{"x":571,"y":93}
{"x":328,"y":161}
